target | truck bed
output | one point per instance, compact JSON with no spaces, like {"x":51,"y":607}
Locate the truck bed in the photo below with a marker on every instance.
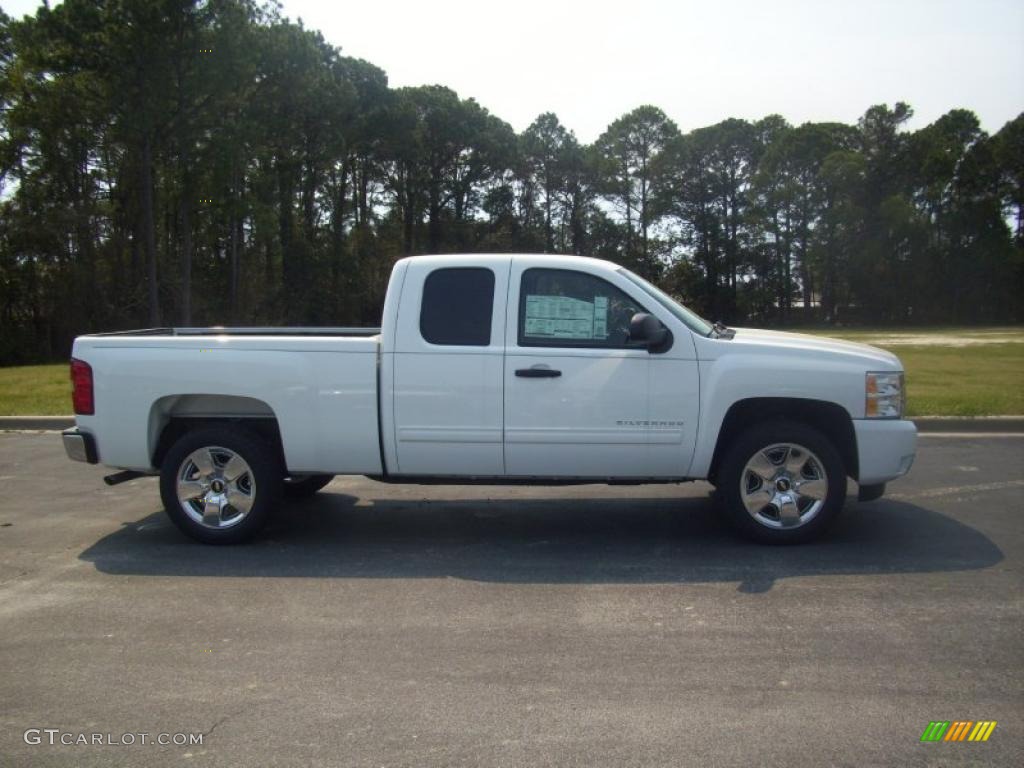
{"x":320,"y":384}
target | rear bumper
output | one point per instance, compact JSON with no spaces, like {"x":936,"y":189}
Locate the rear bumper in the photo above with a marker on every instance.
{"x":885,"y":449}
{"x":80,"y":446}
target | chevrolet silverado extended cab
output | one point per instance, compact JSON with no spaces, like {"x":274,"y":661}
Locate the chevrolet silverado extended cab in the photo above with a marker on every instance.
{"x":495,"y":369}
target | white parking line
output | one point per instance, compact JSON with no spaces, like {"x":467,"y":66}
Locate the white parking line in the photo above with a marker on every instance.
{"x":954,"y":489}
{"x":985,"y":435}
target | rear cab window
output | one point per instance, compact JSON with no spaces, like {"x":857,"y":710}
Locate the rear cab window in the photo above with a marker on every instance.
{"x":457,"y":306}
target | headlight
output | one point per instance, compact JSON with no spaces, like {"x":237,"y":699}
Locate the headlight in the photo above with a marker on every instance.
{"x":884,"y":396}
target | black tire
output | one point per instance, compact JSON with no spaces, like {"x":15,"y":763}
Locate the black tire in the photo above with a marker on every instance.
{"x":304,"y":486}
{"x":764,"y":529}
{"x":263,"y":478}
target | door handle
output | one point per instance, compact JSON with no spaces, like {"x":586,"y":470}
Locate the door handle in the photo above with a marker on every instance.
{"x":537,"y":373}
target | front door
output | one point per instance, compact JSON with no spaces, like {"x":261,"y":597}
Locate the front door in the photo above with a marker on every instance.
{"x":579,"y":402}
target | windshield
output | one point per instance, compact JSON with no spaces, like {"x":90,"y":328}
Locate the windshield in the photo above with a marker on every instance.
{"x":692,"y":320}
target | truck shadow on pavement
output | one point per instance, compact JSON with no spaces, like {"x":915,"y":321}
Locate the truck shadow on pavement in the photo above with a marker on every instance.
{"x":551,"y":541}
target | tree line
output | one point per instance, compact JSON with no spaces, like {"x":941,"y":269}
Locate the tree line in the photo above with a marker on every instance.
{"x":173,"y":162}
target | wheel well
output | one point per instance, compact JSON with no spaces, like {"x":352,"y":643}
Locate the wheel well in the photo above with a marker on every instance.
{"x":831,"y":419}
{"x":178,"y":426}
{"x":172,"y":417}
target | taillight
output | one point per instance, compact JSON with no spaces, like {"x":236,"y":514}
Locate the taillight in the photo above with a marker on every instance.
{"x":81,"y":388}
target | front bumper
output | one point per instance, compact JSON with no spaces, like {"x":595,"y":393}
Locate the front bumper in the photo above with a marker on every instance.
{"x":885,"y":449}
{"x":80,"y":446}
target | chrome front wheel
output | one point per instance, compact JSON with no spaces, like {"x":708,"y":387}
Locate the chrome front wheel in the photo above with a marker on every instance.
{"x":782,"y":482}
{"x":784,"y":485}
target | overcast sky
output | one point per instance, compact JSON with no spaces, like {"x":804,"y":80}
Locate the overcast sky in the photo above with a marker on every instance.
{"x":701,"y":62}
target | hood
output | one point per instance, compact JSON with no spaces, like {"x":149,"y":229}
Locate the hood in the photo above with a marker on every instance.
{"x":752,"y":340}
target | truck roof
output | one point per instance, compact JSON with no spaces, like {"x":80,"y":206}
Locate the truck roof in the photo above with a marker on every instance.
{"x":557,"y":259}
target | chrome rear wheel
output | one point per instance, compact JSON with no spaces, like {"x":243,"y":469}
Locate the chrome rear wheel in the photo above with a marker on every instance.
{"x":220,"y":483}
{"x":216,"y":487}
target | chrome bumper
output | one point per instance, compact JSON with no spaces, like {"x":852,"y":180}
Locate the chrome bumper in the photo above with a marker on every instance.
{"x":80,"y":446}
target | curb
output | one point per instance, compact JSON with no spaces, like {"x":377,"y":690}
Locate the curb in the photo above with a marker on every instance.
{"x":979,"y":424}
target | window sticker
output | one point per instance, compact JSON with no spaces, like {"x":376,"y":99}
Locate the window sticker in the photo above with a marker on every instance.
{"x":562,"y":317}
{"x":600,"y":317}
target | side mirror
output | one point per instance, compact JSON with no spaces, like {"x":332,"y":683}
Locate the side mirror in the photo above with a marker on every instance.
{"x":647,"y":331}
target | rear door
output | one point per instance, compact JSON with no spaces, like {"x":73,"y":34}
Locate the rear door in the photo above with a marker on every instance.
{"x":579,"y":402}
{"x":449,"y":349}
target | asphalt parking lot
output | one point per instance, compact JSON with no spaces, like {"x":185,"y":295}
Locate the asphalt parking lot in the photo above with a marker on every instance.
{"x":386,"y":625}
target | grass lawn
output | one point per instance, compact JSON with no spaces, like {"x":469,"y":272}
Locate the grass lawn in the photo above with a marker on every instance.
{"x":35,"y":390}
{"x":953,"y":371}
{"x":950,"y":372}
{"x":963,"y":381}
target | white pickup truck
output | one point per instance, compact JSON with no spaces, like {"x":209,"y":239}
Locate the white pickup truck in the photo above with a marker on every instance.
{"x":495,"y":369}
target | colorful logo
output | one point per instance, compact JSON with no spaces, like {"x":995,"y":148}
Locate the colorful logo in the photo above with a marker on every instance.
{"x":958,"y":730}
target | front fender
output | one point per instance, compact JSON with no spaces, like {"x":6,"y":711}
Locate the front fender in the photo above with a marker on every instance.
{"x":733,"y":378}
